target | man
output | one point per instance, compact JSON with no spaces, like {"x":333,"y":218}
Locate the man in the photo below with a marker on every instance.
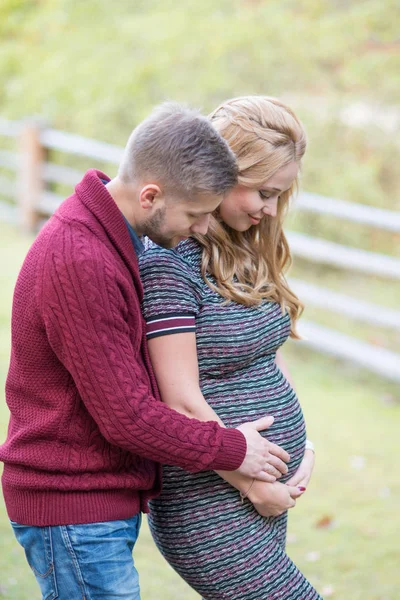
{"x":87,"y":428}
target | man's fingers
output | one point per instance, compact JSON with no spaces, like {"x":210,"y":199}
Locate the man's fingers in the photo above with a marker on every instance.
{"x":279,"y":452}
{"x":270,"y":469}
{"x":263,"y":476}
{"x":278,"y":464}
{"x":261,"y":424}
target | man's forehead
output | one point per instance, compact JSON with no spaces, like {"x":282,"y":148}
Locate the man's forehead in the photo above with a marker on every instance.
{"x":204,"y":204}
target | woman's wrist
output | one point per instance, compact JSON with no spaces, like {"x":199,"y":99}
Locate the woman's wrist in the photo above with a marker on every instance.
{"x":245,"y":494}
{"x":260,"y":491}
{"x":236,"y":480}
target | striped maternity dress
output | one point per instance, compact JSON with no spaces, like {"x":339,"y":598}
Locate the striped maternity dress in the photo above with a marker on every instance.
{"x":221,"y":547}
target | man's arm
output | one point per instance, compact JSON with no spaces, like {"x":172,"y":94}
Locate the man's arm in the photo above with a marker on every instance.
{"x":83,"y":310}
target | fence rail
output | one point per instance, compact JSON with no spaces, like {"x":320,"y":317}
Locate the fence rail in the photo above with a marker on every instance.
{"x":351,"y":211}
{"x":33,"y":201}
{"x":330,"y":253}
{"x":342,"y":304}
{"x":379,"y":360}
{"x":76,"y":144}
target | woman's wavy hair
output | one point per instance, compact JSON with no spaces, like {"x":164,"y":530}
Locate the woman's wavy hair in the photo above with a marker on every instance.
{"x":249,"y":267}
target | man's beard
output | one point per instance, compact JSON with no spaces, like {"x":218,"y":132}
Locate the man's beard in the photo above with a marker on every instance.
{"x":153,"y":229}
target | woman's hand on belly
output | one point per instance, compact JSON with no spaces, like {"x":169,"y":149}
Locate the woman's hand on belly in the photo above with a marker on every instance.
{"x":303,"y":474}
{"x":273,"y":499}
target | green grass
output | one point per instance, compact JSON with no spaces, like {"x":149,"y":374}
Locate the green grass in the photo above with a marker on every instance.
{"x":349,"y":414}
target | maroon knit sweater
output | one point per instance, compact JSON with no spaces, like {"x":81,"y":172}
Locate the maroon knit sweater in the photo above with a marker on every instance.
{"x":86,"y":421}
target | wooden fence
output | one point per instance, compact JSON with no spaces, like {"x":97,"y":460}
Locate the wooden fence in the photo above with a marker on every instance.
{"x":31,"y":201}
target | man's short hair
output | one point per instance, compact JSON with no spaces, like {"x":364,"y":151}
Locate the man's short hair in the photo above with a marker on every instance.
{"x":180,"y":150}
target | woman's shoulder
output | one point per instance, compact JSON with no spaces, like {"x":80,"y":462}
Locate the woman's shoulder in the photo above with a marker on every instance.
{"x":187,"y":252}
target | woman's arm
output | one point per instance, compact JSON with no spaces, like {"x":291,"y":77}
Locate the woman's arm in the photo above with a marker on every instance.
{"x":174,"y":360}
{"x":175,"y":364}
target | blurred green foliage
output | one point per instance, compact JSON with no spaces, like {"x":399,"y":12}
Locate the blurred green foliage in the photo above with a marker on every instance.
{"x":97,"y":67}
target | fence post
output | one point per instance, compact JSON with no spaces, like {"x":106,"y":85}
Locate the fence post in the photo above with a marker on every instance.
{"x":30,"y":182}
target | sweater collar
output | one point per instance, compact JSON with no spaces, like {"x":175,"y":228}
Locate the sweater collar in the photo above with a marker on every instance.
{"x":92,"y":192}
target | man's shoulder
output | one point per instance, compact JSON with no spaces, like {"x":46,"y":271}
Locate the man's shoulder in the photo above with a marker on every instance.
{"x":70,"y":243}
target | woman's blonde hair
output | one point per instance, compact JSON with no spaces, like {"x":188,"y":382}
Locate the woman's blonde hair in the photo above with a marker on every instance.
{"x":249,"y":267}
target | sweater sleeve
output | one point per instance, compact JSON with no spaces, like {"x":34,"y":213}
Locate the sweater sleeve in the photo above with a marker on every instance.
{"x":84,"y":310}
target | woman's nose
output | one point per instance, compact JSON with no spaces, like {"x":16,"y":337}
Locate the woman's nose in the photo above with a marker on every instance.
{"x":271,"y":208}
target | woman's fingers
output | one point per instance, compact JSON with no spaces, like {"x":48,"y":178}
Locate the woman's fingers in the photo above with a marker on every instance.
{"x":302,"y":485}
{"x":300,"y":478}
{"x":295,"y":492}
{"x":304,"y":472}
{"x":295,"y":480}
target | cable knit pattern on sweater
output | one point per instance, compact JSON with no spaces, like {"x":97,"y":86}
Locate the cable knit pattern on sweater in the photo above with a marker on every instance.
{"x":86,"y":421}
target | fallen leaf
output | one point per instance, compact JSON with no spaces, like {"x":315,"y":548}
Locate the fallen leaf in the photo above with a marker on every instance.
{"x":325,"y":522}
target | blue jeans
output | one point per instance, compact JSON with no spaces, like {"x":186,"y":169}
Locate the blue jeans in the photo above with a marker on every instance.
{"x":83,"y":562}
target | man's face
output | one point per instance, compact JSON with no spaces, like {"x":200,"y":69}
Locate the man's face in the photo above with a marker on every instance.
{"x":177,"y":220}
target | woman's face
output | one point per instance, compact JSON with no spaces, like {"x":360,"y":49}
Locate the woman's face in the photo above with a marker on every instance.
{"x":244,"y":207}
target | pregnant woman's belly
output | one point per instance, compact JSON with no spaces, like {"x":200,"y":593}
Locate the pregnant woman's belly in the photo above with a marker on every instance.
{"x":256,"y":391}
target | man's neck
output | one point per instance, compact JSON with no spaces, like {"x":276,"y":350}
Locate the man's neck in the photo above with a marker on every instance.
{"x":122,"y":196}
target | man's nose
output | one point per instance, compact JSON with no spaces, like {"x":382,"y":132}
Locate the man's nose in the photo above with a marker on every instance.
{"x":201,"y":226}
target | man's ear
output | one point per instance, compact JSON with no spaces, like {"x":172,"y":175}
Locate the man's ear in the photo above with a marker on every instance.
{"x":149,"y":194}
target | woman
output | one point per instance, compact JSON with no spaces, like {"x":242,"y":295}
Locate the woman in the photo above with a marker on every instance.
{"x":218,"y":308}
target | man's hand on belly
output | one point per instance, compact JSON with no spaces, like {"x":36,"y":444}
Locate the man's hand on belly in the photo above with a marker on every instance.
{"x":264,"y":460}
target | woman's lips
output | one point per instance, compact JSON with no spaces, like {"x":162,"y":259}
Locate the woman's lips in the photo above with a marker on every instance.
{"x":253,"y":220}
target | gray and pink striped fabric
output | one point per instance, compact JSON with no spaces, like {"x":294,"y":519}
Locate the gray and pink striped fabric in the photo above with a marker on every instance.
{"x":224,"y":549}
